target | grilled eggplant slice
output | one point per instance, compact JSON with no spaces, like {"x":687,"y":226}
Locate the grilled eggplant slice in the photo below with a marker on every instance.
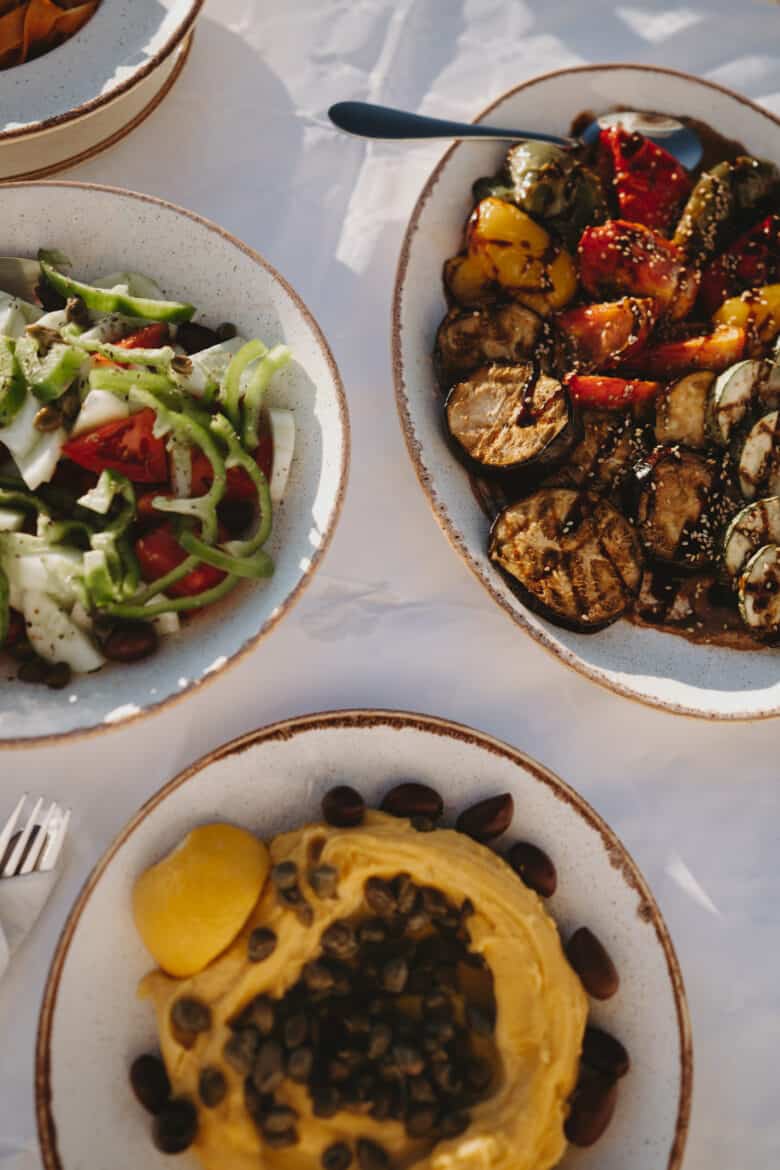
{"x":759,"y":593}
{"x":733,"y":395}
{"x":681,"y":410}
{"x":570,"y":555}
{"x":759,"y":458}
{"x":681,"y":508}
{"x":503,"y":417}
{"x":755,"y":525}
{"x":469,"y":338}
{"x":605,"y":456}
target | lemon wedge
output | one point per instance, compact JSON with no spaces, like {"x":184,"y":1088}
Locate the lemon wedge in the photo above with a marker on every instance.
{"x":192,"y":904}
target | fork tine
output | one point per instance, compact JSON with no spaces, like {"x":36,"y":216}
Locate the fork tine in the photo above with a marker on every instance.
{"x":21,"y":844}
{"x":56,"y":839}
{"x":10,"y":825}
{"x":35,"y":850}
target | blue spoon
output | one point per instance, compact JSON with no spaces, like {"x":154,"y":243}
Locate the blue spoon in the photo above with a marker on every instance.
{"x":371,"y":121}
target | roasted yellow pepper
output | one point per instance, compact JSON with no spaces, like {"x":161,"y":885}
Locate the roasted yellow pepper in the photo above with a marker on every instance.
{"x":507,"y":251}
{"x":757,"y":311}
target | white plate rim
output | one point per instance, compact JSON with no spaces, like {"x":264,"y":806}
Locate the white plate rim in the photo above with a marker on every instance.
{"x":413,"y":446}
{"x":117,"y":91}
{"x":365,"y":719}
{"x":317,"y":555}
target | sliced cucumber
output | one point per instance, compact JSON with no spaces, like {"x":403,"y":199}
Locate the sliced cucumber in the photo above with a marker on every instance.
{"x":13,"y":388}
{"x":135,"y":283}
{"x":756,"y":525}
{"x":681,"y":410}
{"x":101,"y":300}
{"x":51,"y":375}
{"x":759,"y":458}
{"x":209,"y":367}
{"x":759,"y":592}
{"x":732,"y":396}
{"x":11,"y":520}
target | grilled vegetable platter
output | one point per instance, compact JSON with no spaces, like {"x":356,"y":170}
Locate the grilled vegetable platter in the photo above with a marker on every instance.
{"x":610,"y":371}
{"x":139,"y":468}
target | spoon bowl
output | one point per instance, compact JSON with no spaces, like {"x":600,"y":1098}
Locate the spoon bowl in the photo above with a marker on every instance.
{"x":367,"y":120}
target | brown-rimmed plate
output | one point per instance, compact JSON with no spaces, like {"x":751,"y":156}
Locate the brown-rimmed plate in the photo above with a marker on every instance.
{"x":661,"y":669}
{"x":103,"y":230}
{"x":92,"y":1025}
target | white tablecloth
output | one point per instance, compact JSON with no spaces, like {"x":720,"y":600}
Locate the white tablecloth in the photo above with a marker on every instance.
{"x":399,"y":621}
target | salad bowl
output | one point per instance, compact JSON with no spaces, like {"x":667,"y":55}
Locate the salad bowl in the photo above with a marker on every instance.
{"x":87,"y":93}
{"x":658,"y":668}
{"x":190,"y":260}
{"x":93,"y":1027}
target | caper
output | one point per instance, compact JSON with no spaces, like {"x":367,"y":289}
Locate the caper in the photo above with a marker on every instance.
{"x":48,"y":418}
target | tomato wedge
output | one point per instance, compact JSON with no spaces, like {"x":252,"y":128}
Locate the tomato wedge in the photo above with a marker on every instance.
{"x":610,"y":393}
{"x":127,"y":445}
{"x":149,"y":337}
{"x":239,"y":485}
{"x":159,"y":552}
{"x":649,"y":183}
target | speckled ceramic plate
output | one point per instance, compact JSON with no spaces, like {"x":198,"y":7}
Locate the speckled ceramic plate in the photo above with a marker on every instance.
{"x":92,"y":1026}
{"x":97,"y":86}
{"x":105,"y":230}
{"x":657,"y":668}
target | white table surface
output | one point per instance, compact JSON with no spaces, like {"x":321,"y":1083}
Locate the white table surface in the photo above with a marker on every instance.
{"x":400,"y":622}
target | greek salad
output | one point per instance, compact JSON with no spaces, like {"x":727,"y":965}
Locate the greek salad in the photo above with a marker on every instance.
{"x":139,"y":467}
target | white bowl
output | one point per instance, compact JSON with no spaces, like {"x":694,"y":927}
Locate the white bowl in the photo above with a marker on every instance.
{"x":92,"y":1026}
{"x":89,"y":92}
{"x":103,"y":230}
{"x":657,"y":668}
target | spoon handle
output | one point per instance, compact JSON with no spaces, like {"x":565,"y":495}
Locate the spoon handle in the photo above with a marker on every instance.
{"x":371,"y":121}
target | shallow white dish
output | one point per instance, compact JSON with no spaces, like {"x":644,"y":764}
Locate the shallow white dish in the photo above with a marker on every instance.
{"x":82,"y":96}
{"x":92,"y":1026}
{"x":657,"y":668}
{"x":103,"y":229}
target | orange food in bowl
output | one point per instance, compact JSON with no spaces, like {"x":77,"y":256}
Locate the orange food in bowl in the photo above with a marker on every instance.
{"x":192,"y":904}
{"x":29,"y":28}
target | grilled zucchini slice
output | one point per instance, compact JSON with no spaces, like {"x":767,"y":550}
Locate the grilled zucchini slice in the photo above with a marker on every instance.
{"x":758,"y":462}
{"x":756,"y":525}
{"x":604,"y":456}
{"x":502,"y":417}
{"x":570,"y":555}
{"x":733,"y":394}
{"x":469,"y":338}
{"x":759,"y":592}
{"x":681,"y":410}
{"x":678,"y":507}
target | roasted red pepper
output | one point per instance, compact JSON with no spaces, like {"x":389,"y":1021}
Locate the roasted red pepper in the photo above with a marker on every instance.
{"x":714,"y":351}
{"x":649,"y":184}
{"x":597,"y":393}
{"x":751,"y":261}
{"x":597,"y":335}
{"x":622,"y":257}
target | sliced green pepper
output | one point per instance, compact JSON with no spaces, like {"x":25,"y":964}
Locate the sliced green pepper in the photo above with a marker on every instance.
{"x":74,"y":532}
{"x":163,"y":356}
{"x":183,"y":426}
{"x":230,"y":392}
{"x":51,"y":375}
{"x":133,"y":611}
{"x":274,"y":360}
{"x":257,"y":566}
{"x":13,"y":387}
{"x":102,"y":300}
{"x":238,"y":457}
{"x":122,"y":381}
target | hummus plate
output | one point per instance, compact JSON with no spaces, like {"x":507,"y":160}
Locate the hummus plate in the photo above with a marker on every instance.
{"x":93,"y":1025}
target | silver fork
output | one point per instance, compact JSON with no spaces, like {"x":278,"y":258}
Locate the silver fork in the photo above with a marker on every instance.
{"x":37,"y":846}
